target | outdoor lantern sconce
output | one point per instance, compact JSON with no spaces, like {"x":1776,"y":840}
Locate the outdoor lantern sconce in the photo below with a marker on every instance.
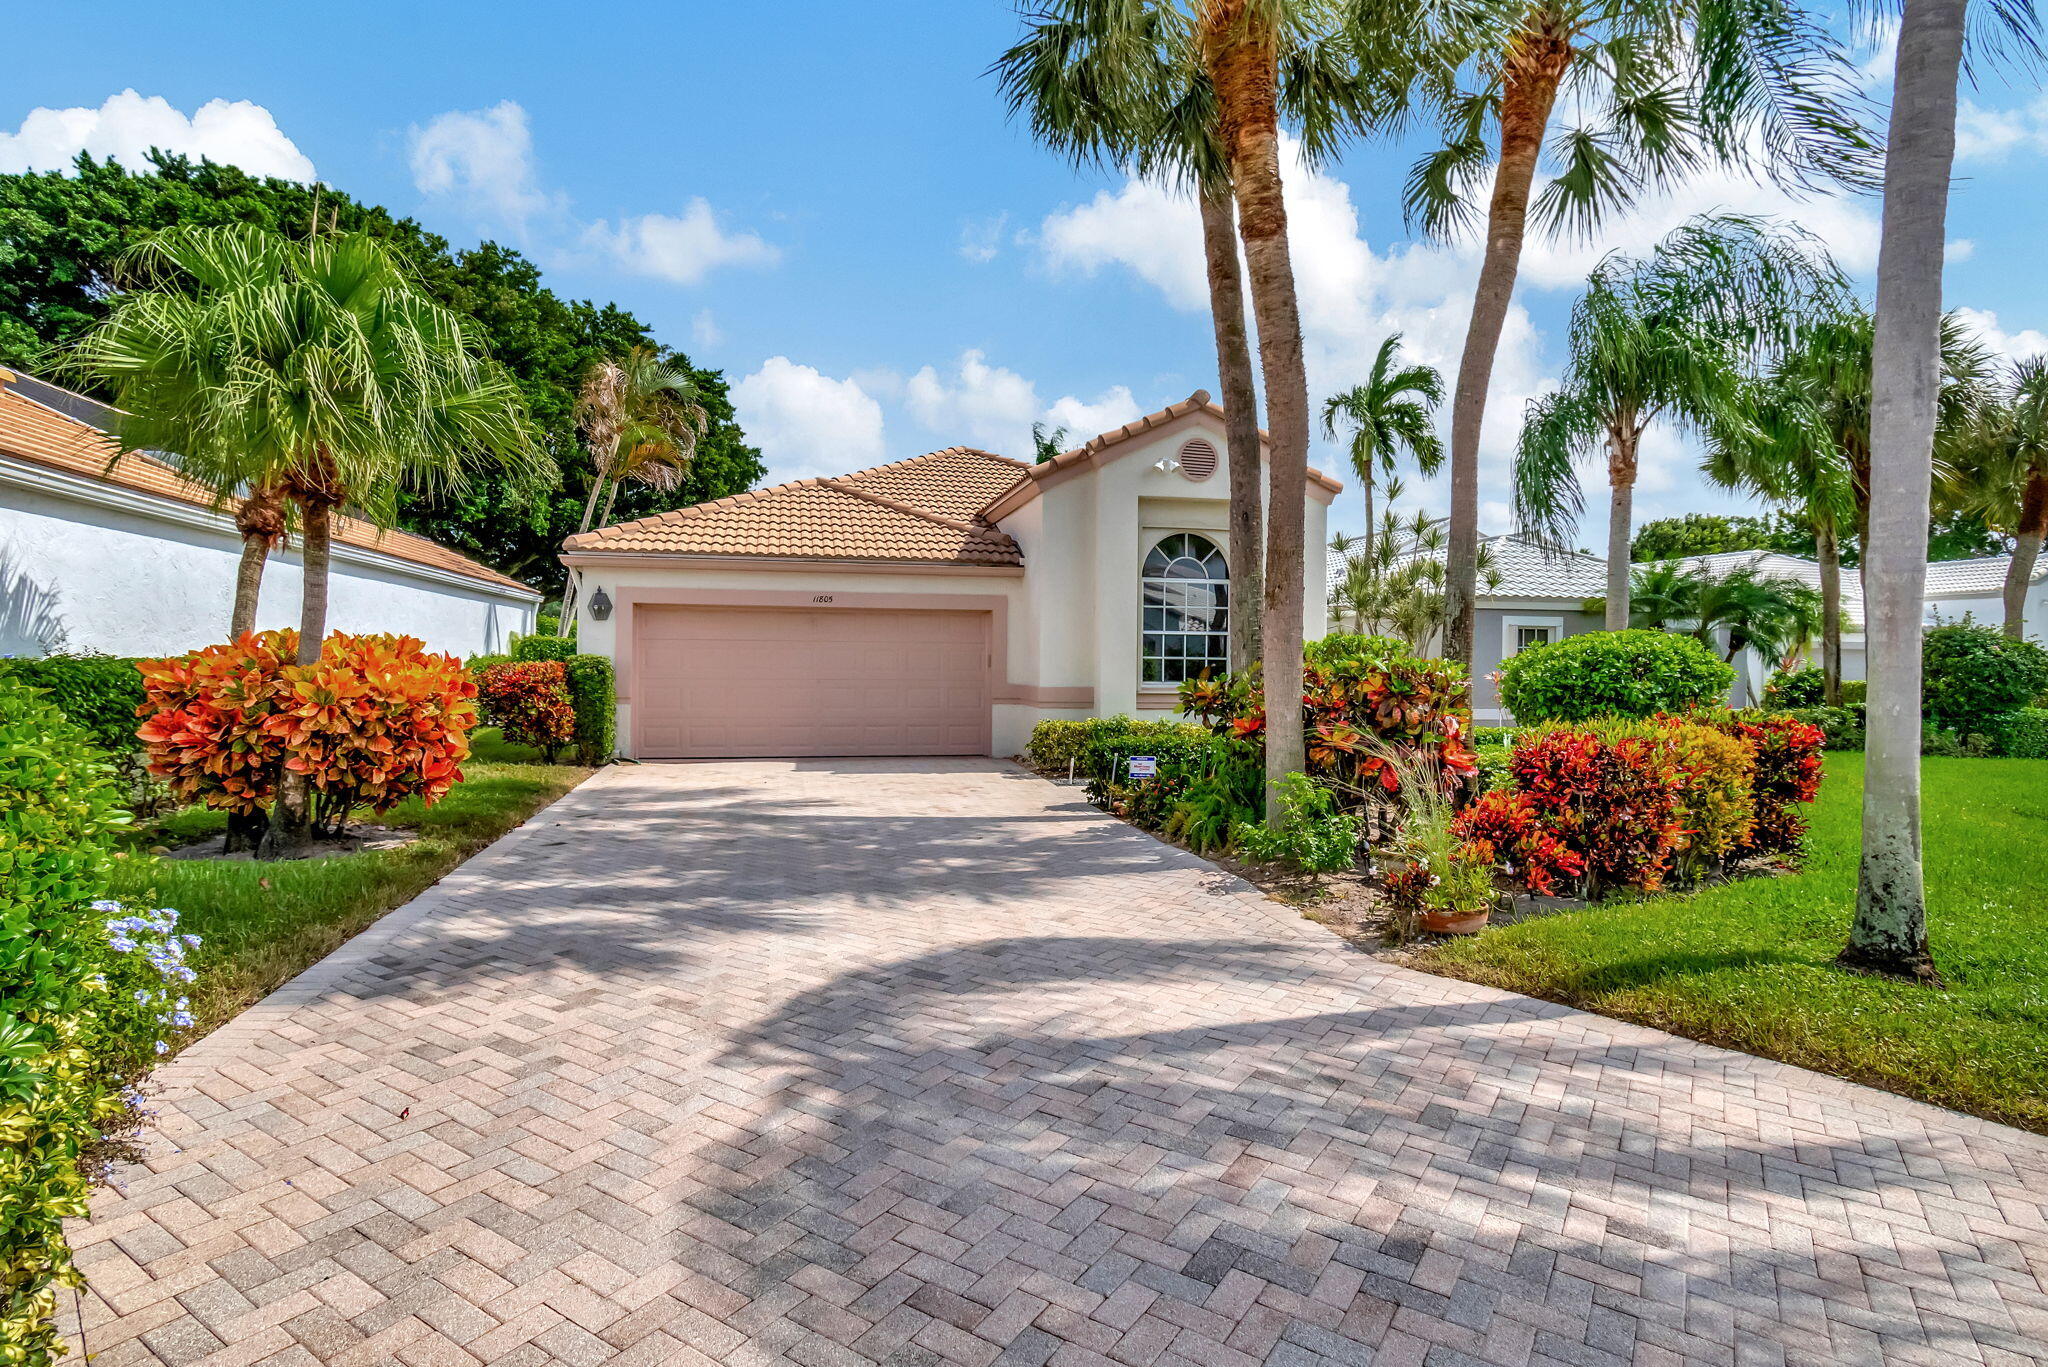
{"x":600,"y":606}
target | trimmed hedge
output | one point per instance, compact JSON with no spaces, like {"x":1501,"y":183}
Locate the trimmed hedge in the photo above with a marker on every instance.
{"x":1612,"y":674}
{"x":1098,"y":746}
{"x":99,"y":694}
{"x":2022,"y":733}
{"x":531,"y":649}
{"x":594,"y":694}
{"x":1974,"y":675}
{"x":1842,"y":727}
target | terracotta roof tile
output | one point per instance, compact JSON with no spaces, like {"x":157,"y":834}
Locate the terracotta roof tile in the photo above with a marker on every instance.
{"x":920,"y":510}
{"x":29,"y":431}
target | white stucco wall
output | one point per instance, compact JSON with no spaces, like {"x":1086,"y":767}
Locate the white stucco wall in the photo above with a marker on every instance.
{"x":1989,"y":610}
{"x":148,"y":577}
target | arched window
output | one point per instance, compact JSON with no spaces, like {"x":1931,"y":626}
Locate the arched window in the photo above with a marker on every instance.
{"x":1186,"y":590}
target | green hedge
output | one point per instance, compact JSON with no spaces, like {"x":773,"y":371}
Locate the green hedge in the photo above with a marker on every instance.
{"x":1842,"y":726}
{"x":1098,"y":746}
{"x":527,"y":649}
{"x":82,"y":1012}
{"x":2022,"y":733}
{"x":1612,"y":674}
{"x":1975,"y":675}
{"x":594,"y":695}
{"x":97,"y":693}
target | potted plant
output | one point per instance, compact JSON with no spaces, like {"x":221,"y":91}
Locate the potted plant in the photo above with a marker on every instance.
{"x":1432,"y":877}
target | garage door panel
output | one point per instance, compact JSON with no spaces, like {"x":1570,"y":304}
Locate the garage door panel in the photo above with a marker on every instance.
{"x":734,"y":682}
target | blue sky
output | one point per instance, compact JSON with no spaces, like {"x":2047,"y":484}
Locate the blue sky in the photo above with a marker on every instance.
{"x":835,"y":211}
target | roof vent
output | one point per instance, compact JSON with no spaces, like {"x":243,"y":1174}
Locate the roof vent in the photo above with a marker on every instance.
{"x":1197,"y":458}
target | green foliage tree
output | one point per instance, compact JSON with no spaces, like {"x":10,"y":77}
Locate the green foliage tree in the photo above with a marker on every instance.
{"x":1677,"y":538}
{"x":61,"y":235}
{"x":1656,"y":89}
{"x":1391,"y":413}
{"x":2002,"y":474}
{"x":1674,"y":336}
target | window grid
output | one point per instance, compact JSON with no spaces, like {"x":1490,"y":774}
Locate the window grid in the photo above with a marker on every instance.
{"x":1185,"y":601}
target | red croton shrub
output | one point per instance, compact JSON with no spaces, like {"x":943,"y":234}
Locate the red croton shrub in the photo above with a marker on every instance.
{"x":376,"y":720}
{"x":1506,"y":828}
{"x":1610,"y":794}
{"x":530,"y":703}
{"x":1351,"y":708}
{"x":1788,"y":772}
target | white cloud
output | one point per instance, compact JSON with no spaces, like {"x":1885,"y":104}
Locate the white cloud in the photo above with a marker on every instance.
{"x":807,"y":423}
{"x":1994,"y":134}
{"x":1143,"y":228}
{"x":975,"y":403}
{"x":483,"y":157}
{"x":1082,"y":419}
{"x":1958,"y":249}
{"x":679,"y":249}
{"x":2013,"y":346}
{"x":704,"y":329}
{"x":127,"y":125}
{"x":981,"y":238}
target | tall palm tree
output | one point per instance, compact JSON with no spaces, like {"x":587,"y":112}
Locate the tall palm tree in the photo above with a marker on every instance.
{"x":1391,"y":413}
{"x":1672,"y":336}
{"x":260,"y":522}
{"x":1310,"y":63}
{"x":1659,"y":88}
{"x":2002,"y":474}
{"x":1889,"y":934}
{"x":314,"y":368}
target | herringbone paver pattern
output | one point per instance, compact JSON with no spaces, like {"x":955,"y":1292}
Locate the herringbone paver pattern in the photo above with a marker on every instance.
{"x":924,"y":1062}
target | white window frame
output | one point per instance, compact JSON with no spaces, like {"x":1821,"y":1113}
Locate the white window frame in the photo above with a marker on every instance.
{"x":1153,"y":539}
{"x":1511,"y":625}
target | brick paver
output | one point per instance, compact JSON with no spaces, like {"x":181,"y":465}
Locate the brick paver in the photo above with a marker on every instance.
{"x":925,"y":1062}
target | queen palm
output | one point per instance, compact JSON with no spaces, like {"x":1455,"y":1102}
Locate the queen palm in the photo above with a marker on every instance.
{"x":314,"y":368}
{"x":1889,"y":934}
{"x":1674,"y":336}
{"x":1139,"y":79}
{"x":2002,"y":474}
{"x":1658,"y":90}
{"x":1392,"y":413}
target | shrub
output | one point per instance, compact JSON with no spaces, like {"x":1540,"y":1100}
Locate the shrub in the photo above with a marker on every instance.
{"x":2023,"y":733}
{"x":1507,"y":828}
{"x":1057,"y":742}
{"x":1717,"y":797}
{"x":86,"y":1004}
{"x":1316,"y":837}
{"x":376,"y":720}
{"x":530,"y":649}
{"x":530,"y":703}
{"x":1612,"y":674}
{"x":1226,"y":790}
{"x":1841,"y":728}
{"x":477,"y":664}
{"x":1610,"y":793}
{"x":595,"y":699}
{"x":98,"y":694}
{"x":1494,"y":767}
{"x":1975,"y":674}
{"x":1788,"y":772}
{"x":1796,"y":688}
{"x":1180,"y":747}
{"x":1344,"y":648}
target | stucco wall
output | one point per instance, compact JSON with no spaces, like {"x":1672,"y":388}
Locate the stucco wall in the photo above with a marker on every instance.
{"x":1989,"y":610}
{"x":79,"y":576}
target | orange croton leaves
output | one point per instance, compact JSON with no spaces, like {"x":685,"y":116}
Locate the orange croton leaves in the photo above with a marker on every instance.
{"x":376,"y":720}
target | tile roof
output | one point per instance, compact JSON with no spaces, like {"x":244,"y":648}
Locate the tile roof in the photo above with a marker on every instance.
{"x":1778,"y":565}
{"x":33,"y":432}
{"x":918,"y":511}
{"x":1983,"y":576}
{"x":1526,"y":570}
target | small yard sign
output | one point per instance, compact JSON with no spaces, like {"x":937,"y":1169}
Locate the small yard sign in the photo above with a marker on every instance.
{"x":1144,"y":766}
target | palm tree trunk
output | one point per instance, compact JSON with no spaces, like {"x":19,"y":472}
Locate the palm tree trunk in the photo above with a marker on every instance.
{"x":1889,"y":935}
{"x":1239,"y":51}
{"x":597,"y":482}
{"x":611,"y":496}
{"x":291,"y":816}
{"x":1828,"y":550}
{"x":2026,"y":552}
{"x":1621,"y":502}
{"x":1538,"y":64}
{"x":1240,"y":423}
{"x":260,"y":521}
{"x":1365,"y":486}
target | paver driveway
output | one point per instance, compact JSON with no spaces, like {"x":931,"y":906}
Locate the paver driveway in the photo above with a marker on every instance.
{"x":920,"y":1062}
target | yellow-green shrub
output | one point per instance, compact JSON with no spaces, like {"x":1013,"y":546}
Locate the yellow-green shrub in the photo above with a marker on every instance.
{"x":1716,"y":797}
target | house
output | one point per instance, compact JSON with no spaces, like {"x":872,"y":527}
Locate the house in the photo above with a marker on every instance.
{"x":1976,"y":589}
{"x":125,"y":556}
{"x":938,"y":605}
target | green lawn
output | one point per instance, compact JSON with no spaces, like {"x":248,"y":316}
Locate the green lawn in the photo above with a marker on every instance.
{"x":260,"y":924}
{"x":1747,"y":964}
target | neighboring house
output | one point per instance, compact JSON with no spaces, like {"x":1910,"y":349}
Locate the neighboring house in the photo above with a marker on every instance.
{"x":127,"y":557}
{"x":938,"y":605}
{"x":1542,"y":594}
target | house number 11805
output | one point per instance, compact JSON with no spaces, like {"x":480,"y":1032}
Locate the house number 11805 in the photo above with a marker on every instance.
{"x":821,"y":598}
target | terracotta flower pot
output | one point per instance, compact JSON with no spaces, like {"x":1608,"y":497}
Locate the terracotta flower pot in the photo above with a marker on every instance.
{"x":1445,"y":923}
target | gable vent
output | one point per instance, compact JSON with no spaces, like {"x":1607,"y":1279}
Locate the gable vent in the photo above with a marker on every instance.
{"x":1198,"y":458}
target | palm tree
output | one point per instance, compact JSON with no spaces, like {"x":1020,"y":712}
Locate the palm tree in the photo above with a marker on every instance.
{"x":1664,"y":87}
{"x":1889,"y":934}
{"x":260,"y":522}
{"x":1046,"y":442}
{"x":2003,"y":475}
{"x":1673,"y":336}
{"x":1391,"y":413}
{"x":313,"y":368}
{"x":1197,"y":90}
{"x":1396,"y":588}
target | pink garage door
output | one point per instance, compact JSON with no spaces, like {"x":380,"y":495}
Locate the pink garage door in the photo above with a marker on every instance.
{"x":728,"y":683}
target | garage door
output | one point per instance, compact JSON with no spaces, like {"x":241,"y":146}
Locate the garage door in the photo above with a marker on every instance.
{"x":736,"y":682}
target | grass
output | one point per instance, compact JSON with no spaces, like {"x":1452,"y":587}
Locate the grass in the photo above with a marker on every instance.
{"x":1749,"y":964}
{"x":261,"y":924}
